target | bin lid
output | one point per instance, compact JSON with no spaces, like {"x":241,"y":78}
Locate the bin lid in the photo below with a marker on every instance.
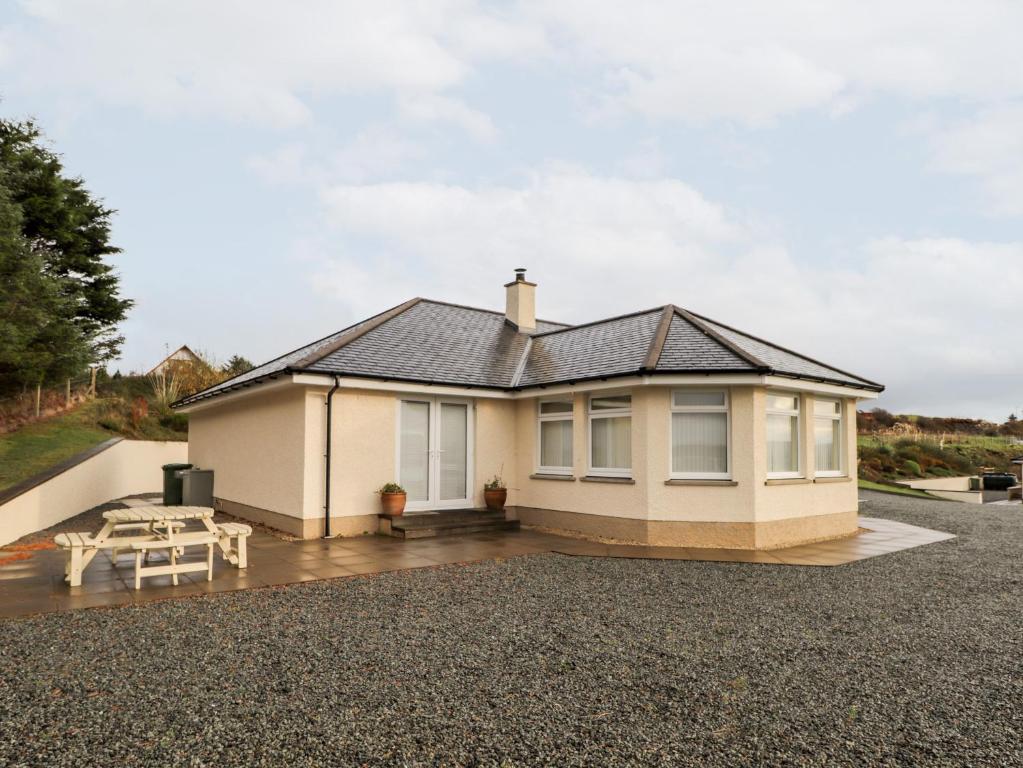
{"x":176,"y":466}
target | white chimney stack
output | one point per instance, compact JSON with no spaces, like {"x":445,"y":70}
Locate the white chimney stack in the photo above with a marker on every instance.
{"x":520,"y":304}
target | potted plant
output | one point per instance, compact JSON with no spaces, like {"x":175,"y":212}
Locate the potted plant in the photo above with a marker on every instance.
{"x":392,"y":499}
{"x":495,"y":493}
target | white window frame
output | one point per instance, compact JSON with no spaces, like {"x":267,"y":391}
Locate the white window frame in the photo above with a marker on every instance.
{"x":606,"y":413}
{"x":798,"y":413}
{"x":726,"y":409}
{"x":840,"y":418}
{"x":541,"y":417}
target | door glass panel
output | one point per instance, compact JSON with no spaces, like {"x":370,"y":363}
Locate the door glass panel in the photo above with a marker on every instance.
{"x":453,"y":433}
{"x":415,"y":450}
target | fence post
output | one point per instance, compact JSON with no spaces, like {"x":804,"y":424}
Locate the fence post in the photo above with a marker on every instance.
{"x":39,"y":395}
{"x":67,"y":394}
{"x":92,"y":382}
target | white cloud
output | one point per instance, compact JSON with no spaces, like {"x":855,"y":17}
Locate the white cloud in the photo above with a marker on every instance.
{"x":989,"y":147}
{"x":915,"y":314}
{"x":244,"y":60}
{"x":753,"y":62}
{"x":444,"y":109}
{"x":375,"y":153}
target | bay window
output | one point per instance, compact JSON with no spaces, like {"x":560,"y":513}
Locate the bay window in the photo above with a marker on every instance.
{"x":783,"y":435}
{"x":555,"y":437}
{"x":610,"y":418}
{"x":699,"y":434}
{"x":827,"y":435}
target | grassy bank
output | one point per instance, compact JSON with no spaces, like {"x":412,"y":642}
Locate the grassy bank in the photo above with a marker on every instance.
{"x":38,"y":446}
{"x":867,"y":485}
{"x":927,"y":456}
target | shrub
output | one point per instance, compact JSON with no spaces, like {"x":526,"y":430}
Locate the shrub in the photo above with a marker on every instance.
{"x":112,"y":421}
{"x":139,"y":411}
{"x":912,"y":467}
{"x":176,"y":421}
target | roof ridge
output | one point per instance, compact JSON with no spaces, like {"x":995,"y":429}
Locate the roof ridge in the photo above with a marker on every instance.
{"x":696,"y":320}
{"x":494,"y":312}
{"x":789,"y":351}
{"x":653,"y":354}
{"x":361,"y":329}
{"x":598,"y":322}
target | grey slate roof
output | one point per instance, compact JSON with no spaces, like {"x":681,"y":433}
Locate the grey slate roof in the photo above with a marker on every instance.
{"x":782,"y":360}
{"x":439,"y":343}
{"x":612,"y":347}
{"x":687,"y":348}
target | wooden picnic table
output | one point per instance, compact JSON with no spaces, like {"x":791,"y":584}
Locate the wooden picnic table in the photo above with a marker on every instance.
{"x":159,"y":528}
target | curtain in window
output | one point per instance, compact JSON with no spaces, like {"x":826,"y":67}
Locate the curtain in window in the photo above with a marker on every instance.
{"x":699,"y":442}
{"x":782,"y":443}
{"x":828,"y":439}
{"x":556,"y":443}
{"x":612,"y":442}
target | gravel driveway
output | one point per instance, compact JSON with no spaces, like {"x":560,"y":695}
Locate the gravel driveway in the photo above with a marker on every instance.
{"x":914,"y":658}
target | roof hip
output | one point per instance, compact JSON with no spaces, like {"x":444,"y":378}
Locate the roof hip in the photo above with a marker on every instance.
{"x":347,"y":338}
{"x":696,"y":320}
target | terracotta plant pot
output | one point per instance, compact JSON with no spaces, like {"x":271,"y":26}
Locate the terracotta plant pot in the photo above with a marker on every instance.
{"x":495,"y":499}
{"x":393,"y":503}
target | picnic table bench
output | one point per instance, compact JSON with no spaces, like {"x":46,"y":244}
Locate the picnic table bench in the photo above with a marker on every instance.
{"x":159,"y":528}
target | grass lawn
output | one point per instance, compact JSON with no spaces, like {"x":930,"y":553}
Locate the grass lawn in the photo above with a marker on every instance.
{"x":897,"y":490}
{"x":38,"y":446}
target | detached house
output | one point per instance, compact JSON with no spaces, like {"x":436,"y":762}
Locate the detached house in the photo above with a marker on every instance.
{"x":660,"y":426}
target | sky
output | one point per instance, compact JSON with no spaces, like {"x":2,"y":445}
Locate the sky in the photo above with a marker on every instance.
{"x":842,"y":178}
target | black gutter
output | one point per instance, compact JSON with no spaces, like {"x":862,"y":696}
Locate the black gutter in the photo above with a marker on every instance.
{"x":326,"y":476}
{"x":764,"y":371}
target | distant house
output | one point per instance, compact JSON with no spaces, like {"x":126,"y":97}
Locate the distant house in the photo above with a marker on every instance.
{"x":181,"y":355}
{"x":661,"y":426}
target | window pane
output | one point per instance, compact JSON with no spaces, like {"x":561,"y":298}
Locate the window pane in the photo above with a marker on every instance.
{"x":415,"y":450}
{"x":556,"y":443}
{"x":828,"y":439}
{"x":610,"y":401}
{"x":560,"y":406}
{"x":782,"y":443}
{"x":612,"y":443}
{"x":783,"y":402}
{"x":684,"y":398}
{"x":826,"y":408}
{"x":453,"y":430}
{"x":699,"y":442}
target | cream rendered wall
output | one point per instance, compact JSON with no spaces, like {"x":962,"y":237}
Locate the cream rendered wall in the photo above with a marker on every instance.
{"x":496,"y":451}
{"x":125,"y":468}
{"x":256,"y":446}
{"x":750,"y":500}
{"x":806,"y":498}
{"x":607,"y":499}
{"x":363,"y":450}
{"x":718,"y":503}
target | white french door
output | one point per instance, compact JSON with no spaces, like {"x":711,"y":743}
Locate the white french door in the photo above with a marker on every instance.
{"x":435,"y":452}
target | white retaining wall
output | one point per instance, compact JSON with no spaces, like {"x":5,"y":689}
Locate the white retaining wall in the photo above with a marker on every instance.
{"x":123,"y":469}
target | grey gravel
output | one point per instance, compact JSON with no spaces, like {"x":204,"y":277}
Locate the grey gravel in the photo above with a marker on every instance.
{"x":907,"y":659}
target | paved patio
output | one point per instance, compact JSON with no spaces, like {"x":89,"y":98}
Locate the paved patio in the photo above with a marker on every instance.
{"x":32,"y":579}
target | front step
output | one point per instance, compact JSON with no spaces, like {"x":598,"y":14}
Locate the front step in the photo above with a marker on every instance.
{"x":447,"y":523}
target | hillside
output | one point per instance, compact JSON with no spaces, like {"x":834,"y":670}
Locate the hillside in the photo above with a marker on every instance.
{"x":40,"y":445}
{"x":923,"y":455}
